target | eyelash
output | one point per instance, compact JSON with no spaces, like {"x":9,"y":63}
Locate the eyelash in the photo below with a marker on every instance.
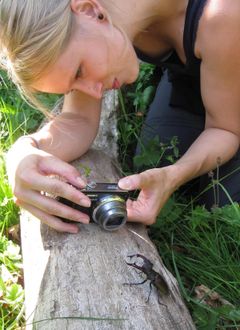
{"x":79,"y":72}
{"x":78,"y":75}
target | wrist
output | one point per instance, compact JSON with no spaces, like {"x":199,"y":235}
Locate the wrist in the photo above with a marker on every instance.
{"x":175,"y":177}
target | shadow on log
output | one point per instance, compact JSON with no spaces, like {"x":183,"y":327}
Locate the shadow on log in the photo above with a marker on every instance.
{"x":77,"y":281}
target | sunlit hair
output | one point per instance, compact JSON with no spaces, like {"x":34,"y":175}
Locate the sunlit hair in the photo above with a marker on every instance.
{"x":32,"y":35}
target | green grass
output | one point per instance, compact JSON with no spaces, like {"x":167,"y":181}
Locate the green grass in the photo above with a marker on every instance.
{"x":203,"y":248}
{"x":16,"y":118}
{"x":197,"y":246}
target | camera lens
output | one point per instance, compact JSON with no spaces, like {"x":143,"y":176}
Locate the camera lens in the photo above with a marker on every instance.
{"x":115,"y":220}
{"x":110,"y":213}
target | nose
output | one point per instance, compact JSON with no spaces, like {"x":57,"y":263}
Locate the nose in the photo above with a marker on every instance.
{"x":94,"y":89}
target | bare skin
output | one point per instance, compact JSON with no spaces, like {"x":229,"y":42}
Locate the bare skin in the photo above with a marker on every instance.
{"x":69,"y":136}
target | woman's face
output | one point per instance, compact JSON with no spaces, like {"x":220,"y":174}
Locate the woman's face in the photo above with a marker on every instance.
{"x":96,"y":59}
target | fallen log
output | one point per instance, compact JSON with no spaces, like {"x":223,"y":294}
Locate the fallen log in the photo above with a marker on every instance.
{"x":79,"y":281}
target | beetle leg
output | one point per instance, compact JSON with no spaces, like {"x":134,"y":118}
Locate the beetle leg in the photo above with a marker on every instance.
{"x":150,"y":287}
{"x":134,"y":265}
{"x":138,"y":283}
{"x":160,"y":303}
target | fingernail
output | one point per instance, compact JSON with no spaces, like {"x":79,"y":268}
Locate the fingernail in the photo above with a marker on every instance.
{"x":74,"y":230}
{"x":84,"y":220}
{"x":124,"y":184}
{"x":85,"y":202}
{"x":81,"y":181}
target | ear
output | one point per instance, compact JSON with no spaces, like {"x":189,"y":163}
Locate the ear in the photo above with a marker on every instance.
{"x":91,"y":8}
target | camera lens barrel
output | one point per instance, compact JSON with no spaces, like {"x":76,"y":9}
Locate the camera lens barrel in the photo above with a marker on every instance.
{"x":110,"y":212}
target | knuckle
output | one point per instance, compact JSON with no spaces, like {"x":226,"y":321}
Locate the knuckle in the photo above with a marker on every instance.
{"x":25,"y":178}
{"x":149,"y":174}
{"x":146,"y":177}
{"x":53,"y":210}
{"x":56,"y":188}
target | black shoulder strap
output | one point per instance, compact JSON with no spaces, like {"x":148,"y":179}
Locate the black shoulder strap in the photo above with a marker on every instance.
{"x":193,"y":14}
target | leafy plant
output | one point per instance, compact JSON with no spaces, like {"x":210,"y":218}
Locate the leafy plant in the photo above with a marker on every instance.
{"x":11,"y":291}
{"x":202,"y":248}
{"x":140,"y":94}
{"x":16,"y":118}
{"x":154,"y":151}
{"x":134,"y":101}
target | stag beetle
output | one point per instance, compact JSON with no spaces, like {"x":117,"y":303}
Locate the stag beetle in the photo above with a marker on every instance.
{"x":151,"y":275}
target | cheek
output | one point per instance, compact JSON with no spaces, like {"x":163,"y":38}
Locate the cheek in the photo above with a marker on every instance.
{"x":95,"y":67}
{"x":101,"y":61}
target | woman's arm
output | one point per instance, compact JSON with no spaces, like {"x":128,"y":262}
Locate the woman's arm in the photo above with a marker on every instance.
{"x":70,"y":134}
{"x":30,"y":169}
{"x":218,"y":47}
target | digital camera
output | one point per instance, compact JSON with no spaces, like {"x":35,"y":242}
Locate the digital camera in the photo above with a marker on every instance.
{"x":108,"y":204}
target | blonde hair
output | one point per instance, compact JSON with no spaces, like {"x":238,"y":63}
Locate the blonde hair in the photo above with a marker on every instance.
{"x":32,"y":35}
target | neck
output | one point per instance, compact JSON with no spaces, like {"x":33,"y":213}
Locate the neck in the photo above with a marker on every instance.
{"x":157,"y":17}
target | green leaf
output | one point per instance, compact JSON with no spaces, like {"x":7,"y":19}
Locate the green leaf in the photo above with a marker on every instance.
{"x":12,"y":251}
{"x":14,"y":294}
{"x":146,"y":98}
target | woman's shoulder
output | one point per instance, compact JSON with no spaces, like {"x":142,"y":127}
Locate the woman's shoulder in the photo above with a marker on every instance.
{"x":222,"y":11}
{"x":219,"y":27}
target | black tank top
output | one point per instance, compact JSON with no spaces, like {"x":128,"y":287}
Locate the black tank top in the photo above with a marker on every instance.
{"x":193,"y":15}
{"x":185,"y":79}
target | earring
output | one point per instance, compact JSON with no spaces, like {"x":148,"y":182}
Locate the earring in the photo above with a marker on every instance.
{"x":100,"y":17}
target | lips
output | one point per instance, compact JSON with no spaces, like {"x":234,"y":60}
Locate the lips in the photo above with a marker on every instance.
{"x":116,"y":84}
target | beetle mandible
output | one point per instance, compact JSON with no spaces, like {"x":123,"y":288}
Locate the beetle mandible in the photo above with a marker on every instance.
{"x":154,"y":277}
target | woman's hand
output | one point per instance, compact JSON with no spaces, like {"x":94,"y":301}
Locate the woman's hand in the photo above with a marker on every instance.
{"x":156,"y":186}
{"x":31,"y":174}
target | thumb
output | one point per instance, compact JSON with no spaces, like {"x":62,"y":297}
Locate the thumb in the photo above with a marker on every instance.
{"x":131,"y":182}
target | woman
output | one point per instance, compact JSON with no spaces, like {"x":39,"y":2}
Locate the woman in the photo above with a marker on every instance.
{"x":82,"y":48}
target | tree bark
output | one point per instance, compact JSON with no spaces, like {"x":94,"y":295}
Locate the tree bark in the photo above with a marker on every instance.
{"x":79,"y":281}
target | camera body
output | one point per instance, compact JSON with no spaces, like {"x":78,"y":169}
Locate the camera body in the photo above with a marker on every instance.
{"x":108,"y":204}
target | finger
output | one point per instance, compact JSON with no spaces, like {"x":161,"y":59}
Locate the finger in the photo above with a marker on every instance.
{"x":52,"y":206}
{"x":52,"y":165}
{"x":55,"y":187}
{"x":136,"y":181}
{"x":50,"y":220}
{"x":140,"y":212}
